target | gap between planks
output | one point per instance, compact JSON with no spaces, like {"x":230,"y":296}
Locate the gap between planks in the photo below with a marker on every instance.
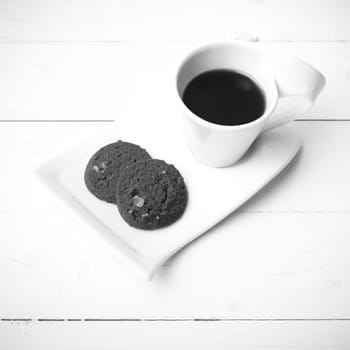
{"x":173,"y":319}
{"x":112,"y":120}
{"x":252,"y":39}
{"x":56,"y":120}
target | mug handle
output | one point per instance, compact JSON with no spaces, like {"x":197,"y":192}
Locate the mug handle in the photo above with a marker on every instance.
{"x":297,"y":82}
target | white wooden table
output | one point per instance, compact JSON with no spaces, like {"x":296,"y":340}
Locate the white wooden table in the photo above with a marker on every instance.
{"x":282,"y":281}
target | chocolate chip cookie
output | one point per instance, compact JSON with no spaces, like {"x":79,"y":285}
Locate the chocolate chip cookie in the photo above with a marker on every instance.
{"x":105,"y":166}
{"x":151,"y":194}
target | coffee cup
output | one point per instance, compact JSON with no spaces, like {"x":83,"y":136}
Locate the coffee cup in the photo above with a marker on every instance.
{"x":289,"y":87}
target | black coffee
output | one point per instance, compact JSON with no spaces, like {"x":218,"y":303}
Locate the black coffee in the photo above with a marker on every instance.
{"x":224,"y":97}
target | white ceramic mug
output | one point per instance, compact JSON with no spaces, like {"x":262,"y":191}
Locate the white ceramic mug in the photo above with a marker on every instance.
{"x":280,"y":77}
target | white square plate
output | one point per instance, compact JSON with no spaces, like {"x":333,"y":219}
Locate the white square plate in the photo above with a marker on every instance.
{"x":213,"y":192}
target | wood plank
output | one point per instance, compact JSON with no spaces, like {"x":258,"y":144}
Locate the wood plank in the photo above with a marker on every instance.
{"x":293,"y":266}
{"x":96,"y":81}
{"x":176,"y":335}
{"x":296,"y":264}
{"x":181,"y":20}
{"x":314,"y":182}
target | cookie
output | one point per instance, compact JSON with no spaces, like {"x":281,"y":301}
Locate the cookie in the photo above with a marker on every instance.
{"x":151,"y":194}
{"x":104,"y":168}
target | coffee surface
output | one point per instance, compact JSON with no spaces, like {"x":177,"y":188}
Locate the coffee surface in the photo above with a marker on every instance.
{"x":224,"y":97}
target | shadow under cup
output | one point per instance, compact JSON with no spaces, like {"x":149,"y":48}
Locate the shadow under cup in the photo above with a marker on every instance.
{"x":216,"y":144}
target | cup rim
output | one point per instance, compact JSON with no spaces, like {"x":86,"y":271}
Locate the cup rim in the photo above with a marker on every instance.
{"x":211,"y":125}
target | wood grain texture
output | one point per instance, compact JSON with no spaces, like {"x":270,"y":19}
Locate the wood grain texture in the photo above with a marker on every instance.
{"x":176,"y":335}
{"x":283,"y":255}
{"x":293,"y":266}
{"x":157,"y":20}
{"x":97,"y":80}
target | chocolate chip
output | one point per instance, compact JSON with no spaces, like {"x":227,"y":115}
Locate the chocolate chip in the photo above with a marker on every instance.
{"x":138,"y":201}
